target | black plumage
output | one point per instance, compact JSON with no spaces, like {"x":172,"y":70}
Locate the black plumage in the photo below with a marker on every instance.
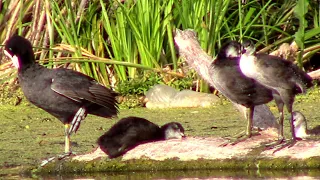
{"x":230,"y":81}
{"x":66,"y":94}
{"x":277,"y":74}
{"x":131,"y":131}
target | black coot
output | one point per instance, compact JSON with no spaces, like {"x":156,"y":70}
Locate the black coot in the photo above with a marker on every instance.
{"x":129,"y":132}
{"x":66,"y":94}
{"x":276,"y":74}
{"x":234,"y":85}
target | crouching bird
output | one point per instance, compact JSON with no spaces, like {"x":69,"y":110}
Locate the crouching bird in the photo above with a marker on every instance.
{"x":280,"y":76}
{"x":66,"y":94}
{"x":132,"y":131}
{"x":300,"y":126}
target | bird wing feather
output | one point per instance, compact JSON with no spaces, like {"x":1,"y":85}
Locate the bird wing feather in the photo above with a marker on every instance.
{"x":287,"y":71}
{"x":80,"y":87}
{"x":64,"y":91}
{"x":284,"y":70}
{"x":236,"y":86}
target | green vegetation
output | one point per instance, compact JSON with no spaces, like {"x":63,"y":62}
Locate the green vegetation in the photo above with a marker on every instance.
{"x":118,"y":41}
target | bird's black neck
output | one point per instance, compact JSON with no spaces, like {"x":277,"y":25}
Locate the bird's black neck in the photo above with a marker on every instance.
{"x":25,"y":68}
{"x":26,"y":60}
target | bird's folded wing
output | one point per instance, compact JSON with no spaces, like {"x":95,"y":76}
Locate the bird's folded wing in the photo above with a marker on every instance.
{"x":89,"y":91}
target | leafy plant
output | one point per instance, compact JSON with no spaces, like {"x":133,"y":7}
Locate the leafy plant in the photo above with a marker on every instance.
{"x":138,"y":86}
{"x":119,"y":41}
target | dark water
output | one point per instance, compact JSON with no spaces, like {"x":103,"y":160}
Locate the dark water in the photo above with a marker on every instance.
{"x":194,"y":174}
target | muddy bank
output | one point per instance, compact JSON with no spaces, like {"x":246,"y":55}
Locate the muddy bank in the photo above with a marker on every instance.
{"x":209,"y":148}
{"x":196,"y":153}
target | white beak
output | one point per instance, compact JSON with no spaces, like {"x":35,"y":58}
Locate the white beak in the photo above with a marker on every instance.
{"x":14,"y":59}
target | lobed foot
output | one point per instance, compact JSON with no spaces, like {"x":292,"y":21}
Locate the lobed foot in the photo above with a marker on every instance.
{"x":239,"y":138}
{"x":280,"y":144}
{"x":59,"y":157}
{"x":274,"y":144}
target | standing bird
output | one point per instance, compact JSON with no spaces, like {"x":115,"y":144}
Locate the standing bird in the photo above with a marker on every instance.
{"x":66,"y":94}
{"x":278,"y":75}
{"x":131,"y":131}
{"x":234,"y":85}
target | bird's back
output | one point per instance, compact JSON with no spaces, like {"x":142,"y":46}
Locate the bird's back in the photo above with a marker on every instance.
{"x":126,"y":134}
{"x":61,"y":92}
{"x":280,"y":73}
{"x":230,"y":81}
{"x":35,"y":83}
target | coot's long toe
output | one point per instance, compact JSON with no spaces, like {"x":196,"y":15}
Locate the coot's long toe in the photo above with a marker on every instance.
{"x":276,"y":74}
{"x":131,"y":131}
{"x":66,"y":94}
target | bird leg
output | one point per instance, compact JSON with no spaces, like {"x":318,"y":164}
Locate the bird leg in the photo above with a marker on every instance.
{"x":293,"y":140}
{"x":67,"y":149}
{"x":69,"y":129}
{"x":280,"y":106}
{"x":249,"y":116}
{"x":242,"y":137}
{"x":78,"y":117}
{"x":280,"y":135}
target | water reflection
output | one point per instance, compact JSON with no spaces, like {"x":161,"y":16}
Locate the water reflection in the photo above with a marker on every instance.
{"x":195,"y":174}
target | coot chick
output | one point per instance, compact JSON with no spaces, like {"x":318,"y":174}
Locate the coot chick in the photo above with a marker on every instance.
{"x":131,"y":131}
{"x":278,"y":75}
{"x":235,"y":86}
{"x":66,"y":94}
{"x":300,"y":126}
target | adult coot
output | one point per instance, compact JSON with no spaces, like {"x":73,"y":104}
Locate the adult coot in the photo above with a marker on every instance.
{"x":66,"y":94}
{"x":131,"y":131}
{"x":234,"y":85}
{"x":278,"y":75}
